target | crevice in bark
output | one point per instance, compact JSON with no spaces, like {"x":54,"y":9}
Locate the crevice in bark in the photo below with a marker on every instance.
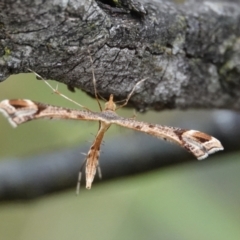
{"x":129,"y":40}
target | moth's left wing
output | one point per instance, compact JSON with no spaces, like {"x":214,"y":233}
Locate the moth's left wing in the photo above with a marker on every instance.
{"x":19,"y":111}
{"x":198,"y":143}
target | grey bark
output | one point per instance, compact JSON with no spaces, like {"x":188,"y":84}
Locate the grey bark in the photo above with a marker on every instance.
{"x":189,"y":51}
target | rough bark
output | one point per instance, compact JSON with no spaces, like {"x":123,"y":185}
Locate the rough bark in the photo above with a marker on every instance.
{"x":189,"y":51}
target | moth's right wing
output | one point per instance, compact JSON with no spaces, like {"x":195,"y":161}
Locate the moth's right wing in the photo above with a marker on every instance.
{"x":19,"y":111}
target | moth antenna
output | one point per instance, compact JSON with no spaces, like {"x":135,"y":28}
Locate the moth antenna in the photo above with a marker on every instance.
{"x":131,"y":93}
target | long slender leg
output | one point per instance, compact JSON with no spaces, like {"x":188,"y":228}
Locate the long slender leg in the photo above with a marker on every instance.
{"x":94,"y":82}
{"x":55,"y":90}
{"x":78,"y":183}
{"x":80,"y":174}
{"x":131,"y":93}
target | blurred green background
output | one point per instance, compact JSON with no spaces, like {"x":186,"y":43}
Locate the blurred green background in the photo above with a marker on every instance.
{"x":195,"y":200}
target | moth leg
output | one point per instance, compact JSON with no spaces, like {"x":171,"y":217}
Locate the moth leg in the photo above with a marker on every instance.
{"x":55,"y":90}
{"x":130,"y":94}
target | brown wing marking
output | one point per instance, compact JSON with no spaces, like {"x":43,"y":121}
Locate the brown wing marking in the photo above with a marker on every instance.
{"x":93,"y":155}
{"x":22,"y":110}
{"x":198,"y":143}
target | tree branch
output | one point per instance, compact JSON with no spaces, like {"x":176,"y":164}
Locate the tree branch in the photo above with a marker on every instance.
{"x":189,"y":51}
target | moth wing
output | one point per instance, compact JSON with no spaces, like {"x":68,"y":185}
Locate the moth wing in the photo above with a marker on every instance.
{"x":198,"y":143}
{"x":22,"y":110}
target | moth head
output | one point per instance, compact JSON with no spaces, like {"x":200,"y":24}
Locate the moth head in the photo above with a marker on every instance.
{"x":110,"y":105}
